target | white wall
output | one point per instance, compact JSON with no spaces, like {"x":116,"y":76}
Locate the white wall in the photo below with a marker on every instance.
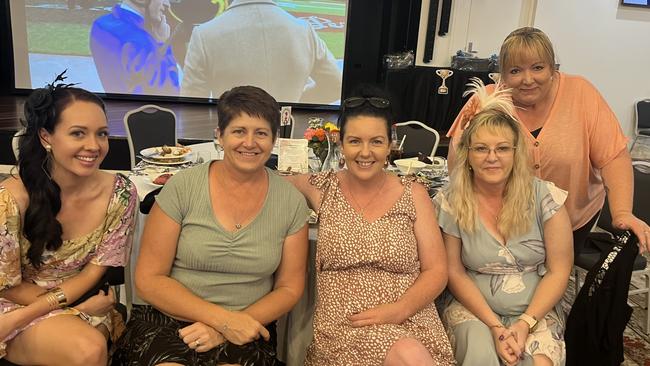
{"x":607,"y":43}
{"x":473,"y":21}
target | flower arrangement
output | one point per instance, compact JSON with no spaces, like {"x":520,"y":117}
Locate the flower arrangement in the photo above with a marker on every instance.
{"x":317,"y":136}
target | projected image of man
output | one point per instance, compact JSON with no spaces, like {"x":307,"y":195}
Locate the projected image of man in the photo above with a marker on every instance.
{"x":255,"y":42}
{"x":130,"y":47}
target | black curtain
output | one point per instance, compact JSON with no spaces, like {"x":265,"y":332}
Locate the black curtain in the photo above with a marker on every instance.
{"x":414,"y":93}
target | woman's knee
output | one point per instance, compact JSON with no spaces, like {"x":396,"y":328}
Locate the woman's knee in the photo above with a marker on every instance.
{"x":407,"y":352}
{"x":89,"y":349}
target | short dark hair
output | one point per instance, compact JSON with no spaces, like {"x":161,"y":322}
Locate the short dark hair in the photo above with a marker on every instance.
{"x":250,"y":100}
{"x":367,"y":109}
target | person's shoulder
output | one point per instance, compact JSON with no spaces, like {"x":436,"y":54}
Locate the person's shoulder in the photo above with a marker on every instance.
{"x":282,"y":185}
{"x":545,"y":188}
{"x":191,"y":175}
{"x":572,"y":81}
{"x":13,"y":191}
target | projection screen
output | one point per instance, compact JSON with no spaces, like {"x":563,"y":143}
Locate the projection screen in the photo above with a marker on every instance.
{"x":294,"y":49}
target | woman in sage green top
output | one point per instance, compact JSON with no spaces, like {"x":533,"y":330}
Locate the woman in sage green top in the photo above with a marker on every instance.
{"x":223,"y":252}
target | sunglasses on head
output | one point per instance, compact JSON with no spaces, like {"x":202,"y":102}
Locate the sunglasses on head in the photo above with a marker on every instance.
{"x":355,"y":102}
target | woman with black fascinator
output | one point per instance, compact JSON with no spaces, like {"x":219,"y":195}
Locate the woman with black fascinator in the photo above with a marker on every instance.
{"x":63,"y":222}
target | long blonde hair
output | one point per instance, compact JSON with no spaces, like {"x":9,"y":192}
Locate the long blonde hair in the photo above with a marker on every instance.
{"x":518,"y":198}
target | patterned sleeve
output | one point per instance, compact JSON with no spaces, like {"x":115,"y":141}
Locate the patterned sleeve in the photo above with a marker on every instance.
{"x":10,"y":274}
{"x":550,"y":198}
{"x":446,"y":218}
{"x":115,"y":247}
{"x":321,"y":180}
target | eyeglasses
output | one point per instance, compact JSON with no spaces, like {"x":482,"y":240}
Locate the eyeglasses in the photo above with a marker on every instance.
{"x":355,"y":102}
{"x":499,"y":151}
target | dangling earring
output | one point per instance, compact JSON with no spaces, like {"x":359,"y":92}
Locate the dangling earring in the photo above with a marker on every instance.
{"x":386,"y":163}
{"x":341,"y":162}
{"x":46,"y":161}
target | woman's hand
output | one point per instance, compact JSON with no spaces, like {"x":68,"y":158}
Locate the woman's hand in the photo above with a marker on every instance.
{"x":505,"y":345}
{"x":98,"y":305}
{"x":382,"y":314}
{"x":240,"y":328}
{"x":520,"y":330}
{"x":201,"y":337}
{"x":627,"y":221}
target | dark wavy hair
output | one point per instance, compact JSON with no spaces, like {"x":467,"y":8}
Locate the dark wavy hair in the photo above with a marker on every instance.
{"x":43,"y":110}
{"x":367,"y":109}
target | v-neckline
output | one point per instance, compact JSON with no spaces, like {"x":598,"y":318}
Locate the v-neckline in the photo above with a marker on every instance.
{"x":359,"y":214}
{"x":237,"y":232}
{"x":547,"y":120}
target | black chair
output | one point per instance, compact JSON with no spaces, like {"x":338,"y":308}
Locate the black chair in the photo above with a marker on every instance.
{"x":590,"y":255}
{"x":149,"y":126}
{"x":642,"y":119}
{"x":420,"y":138}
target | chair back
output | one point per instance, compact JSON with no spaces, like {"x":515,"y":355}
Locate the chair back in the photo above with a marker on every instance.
{"x":642,"y":116}
{"x":148,"y":126}
{"x":15,"y":141}
{"x":419,"y":138}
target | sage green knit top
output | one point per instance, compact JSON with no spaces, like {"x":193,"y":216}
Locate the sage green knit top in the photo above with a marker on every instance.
{"x":231,"y":269}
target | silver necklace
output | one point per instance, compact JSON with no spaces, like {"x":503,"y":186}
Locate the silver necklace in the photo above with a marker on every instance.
{"x":363,"y":208}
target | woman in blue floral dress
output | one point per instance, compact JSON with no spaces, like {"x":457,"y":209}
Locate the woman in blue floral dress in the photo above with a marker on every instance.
{"x":509,"y":249}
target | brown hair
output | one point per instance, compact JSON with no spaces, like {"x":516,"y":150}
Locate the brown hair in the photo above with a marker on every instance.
{"x":250,"y":100}
{"x":523,"y":41}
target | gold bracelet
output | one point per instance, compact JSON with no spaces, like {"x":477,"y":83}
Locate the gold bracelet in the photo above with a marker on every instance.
{"x":60,"y":300}
{"x":51,"y":301}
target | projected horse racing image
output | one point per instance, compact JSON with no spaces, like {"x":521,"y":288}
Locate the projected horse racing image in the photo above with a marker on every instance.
{"x":189,"y":48}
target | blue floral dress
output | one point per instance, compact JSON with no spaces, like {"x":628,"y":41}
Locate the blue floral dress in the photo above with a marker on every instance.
{"x":507,"y":276}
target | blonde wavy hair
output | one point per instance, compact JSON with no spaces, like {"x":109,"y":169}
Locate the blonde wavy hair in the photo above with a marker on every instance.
{"x":495,"y":117}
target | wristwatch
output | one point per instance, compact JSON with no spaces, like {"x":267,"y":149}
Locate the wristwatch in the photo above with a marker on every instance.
{"x":530,"y":320}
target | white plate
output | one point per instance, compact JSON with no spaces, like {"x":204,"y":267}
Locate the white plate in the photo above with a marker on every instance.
{"x":155,"y":154}
{"x":186,"y":159}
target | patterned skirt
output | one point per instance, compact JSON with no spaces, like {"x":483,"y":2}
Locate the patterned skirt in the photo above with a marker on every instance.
{"x":151,"y":338}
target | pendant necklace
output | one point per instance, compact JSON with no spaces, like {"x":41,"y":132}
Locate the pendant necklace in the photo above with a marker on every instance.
{"x":363,"y":208}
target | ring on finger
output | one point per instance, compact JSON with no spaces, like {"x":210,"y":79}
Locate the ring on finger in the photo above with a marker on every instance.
{"x":197,"y":343}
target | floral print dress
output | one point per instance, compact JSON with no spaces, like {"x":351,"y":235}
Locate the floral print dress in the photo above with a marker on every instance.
{"x":507,"y":276}
{"x":108,"y":245}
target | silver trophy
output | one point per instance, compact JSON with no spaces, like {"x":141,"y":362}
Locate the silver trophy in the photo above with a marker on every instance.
{"x":495,"y":76}
{"x":444,"y":74}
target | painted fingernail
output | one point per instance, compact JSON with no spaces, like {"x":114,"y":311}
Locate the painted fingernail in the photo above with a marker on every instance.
{"x":501,"y":337}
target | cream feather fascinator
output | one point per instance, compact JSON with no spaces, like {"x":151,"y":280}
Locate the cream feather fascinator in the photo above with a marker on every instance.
{"x":500,"y":99}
